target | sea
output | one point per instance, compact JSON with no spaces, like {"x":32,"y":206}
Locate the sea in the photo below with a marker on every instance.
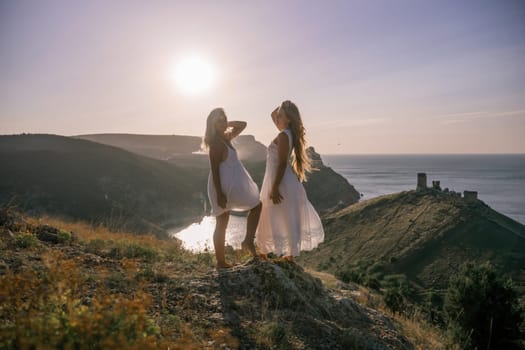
{"x":498,"y":179}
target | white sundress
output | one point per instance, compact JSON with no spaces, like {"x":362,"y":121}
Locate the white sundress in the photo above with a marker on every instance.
{"x":237,"y":185}
{"x":292,"y":225}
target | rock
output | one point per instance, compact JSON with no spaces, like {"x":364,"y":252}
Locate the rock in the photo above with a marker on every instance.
{"x":7,"y":234}
{"x":321,"y":318}
{"x":48,"y":234}
{"x":12,"y":220}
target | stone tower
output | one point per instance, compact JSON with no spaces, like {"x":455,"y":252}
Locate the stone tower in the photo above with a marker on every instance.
{"x":421,"y":181}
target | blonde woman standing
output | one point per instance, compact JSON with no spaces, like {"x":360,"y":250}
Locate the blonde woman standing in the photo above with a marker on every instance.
{"x":288,"y":222}
{"x":230,"y":187}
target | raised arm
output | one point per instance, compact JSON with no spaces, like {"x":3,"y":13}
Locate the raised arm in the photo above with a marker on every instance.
{"x":283,"y":149}
{"x":236,"y":128}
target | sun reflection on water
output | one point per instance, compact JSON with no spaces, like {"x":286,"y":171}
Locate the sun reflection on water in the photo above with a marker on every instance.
{"x":198,"y":237}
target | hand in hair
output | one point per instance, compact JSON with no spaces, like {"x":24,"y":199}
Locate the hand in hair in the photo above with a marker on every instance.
{"x":234,"y":128}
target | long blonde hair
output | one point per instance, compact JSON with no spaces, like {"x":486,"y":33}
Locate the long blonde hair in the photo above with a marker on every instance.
{"x":211,"y":133}
{"x":301,"y":162}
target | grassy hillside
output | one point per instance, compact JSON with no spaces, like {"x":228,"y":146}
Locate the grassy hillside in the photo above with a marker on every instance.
{"x":423,"y":235}
{"x":154,"y":146}
{"x":84,"y":180}
{"x":325,"y":188}
{"x":68,"y":285}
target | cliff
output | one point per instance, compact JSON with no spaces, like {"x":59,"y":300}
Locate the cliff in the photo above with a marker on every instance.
{"x":326,"y":189}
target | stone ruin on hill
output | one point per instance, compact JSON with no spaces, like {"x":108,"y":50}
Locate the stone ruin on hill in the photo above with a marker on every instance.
{"x":468,"y":196}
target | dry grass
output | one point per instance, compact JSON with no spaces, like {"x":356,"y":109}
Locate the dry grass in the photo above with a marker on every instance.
{"x":417,"y":330}
{"x":96,"y":292}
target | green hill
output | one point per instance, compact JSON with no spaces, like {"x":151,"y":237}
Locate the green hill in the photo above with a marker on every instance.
{"x":84,"y":180}
{"x":174,"y":147}
{"x":155,"y":146}
{"x":325,"y":188}
{"x":425,"y":235}
{"x":91,"y":181}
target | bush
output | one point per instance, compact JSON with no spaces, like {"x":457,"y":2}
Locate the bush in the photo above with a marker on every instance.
{"x":373,"y":283}
{"x":483,"y":310}
{"x":64,"y":236}
{"x":355,"y":275}
{"x":394,"y":300}
{"x":49,"y":309}
{"x":133,"y":250}
{"x":25,"y":240}
{"x":432,"y":308}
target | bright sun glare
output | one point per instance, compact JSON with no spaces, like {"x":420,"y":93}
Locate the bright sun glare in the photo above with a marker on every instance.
{"x":194,"y":75}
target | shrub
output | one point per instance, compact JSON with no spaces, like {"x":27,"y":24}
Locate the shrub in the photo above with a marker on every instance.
{"x":25,"y":240}
{"x":133,"y":250}
{"x":48,"y":309}
{"x":483,"y":310}
{"x":373,"y":283}
{"x":354,"y":274}
{"x":432,"y":308}
{"x":95,"y":246}
{"x":394,"y":300}
{"x":64,"y":236}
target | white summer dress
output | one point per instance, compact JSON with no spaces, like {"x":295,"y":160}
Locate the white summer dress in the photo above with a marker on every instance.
{"x":292,"y":225}
{"x":237,"y":185}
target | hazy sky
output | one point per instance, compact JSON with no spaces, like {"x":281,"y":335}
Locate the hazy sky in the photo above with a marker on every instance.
{"x":368,"y":76}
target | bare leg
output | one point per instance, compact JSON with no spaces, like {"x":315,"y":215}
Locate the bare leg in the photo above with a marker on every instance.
{"x":218,"y":239}
{"x":251,"y":227}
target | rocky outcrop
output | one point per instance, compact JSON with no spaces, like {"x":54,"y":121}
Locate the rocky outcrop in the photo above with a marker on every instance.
{"x":300,"y":308}
{"x":327,"y":189}
{"x":249,"y":148}
{"x":300,"y":304}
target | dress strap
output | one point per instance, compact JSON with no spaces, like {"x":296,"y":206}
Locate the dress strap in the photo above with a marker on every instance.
{"x":228,"y":146}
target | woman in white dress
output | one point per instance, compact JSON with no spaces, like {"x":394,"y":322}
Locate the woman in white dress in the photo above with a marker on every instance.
{"x":230,"y":187}
{"x":288,"y":222}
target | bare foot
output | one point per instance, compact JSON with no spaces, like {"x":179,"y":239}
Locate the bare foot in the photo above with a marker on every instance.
{"x":288,"y":258}
{"x":263,"y":256}
{"x":249,"y":248}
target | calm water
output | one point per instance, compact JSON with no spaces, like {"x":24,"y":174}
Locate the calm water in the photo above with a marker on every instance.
{"x":499,"y":180}
{"x":199,"y":236}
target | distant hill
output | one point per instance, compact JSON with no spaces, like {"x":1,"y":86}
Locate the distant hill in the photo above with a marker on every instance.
{"x":325,"y":188}
{"x":84,"y":180}
{"x":155,"y":146}
{"x":249,"y":148}
{"x":425,"y":235}
{"x":174,"y":147}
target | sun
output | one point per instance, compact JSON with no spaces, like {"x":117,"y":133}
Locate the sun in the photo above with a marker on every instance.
{"x":194,"y":75}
